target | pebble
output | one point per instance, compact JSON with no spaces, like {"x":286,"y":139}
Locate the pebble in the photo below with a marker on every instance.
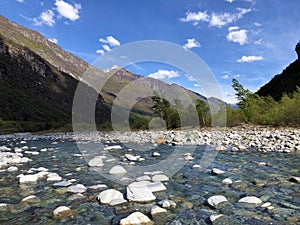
{"x":196,"y":166}
{"x":78,"y":188}
{"x":216,"y":171}
{"x":96,"y":161}
{"x":227,"y":181}
{"x":28,"y":178}
{"x":117,"y":170}
{"x":155,"y":210}
{"x":266,"y":205}
{"x":143,"y":178}
{"x":30,"y":198}
{"x":213,"y":218}
{"x":61,"y":211}
{"x":107,"y":196}
{"x":131,"y":157}
{"x":215,"y":200}
{"x":62,"y":184}
{"x":167,"y":203}
{"x":136,"y":218}
{"x":12,"y":169}
{"x":251,"y":200}
{"x":295,"y":179}
{"x":159,"y":178}
{"x":114,"y":147}
{"x":139,"y":192}
{"x":156,"y":154}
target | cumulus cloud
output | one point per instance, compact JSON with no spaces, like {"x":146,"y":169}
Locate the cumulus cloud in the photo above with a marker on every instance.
{"x":162,"y":74}
{"x":195,"y":17}
{"x":191,"y":43}
{"x":67,"y":10}
{"x":237,"y":35}
{"x":106,"y":48}
{"x":113,"y":42}
{"x":215,"y":19}
{"x":53,"y":40}
{"x":230,"y":1}
{"x":100,"y":51}
{"x":108,"y":43}
{"x":20,"y":1}
{"x":250,"y":58}
{"x":45,"y":18}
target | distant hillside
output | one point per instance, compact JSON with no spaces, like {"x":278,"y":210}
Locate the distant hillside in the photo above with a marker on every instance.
{"x":286,"y":82}
{"x":39,"y":79}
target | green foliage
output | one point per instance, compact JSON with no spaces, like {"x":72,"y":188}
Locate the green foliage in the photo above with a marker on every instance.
{"x":254,"y":109}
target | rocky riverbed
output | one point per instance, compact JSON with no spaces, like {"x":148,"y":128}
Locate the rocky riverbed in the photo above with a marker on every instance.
{"x":253,"y":177}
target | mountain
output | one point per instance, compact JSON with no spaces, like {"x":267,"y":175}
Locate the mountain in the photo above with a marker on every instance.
{"x":39,"y":80}
{"x":285,"y":82}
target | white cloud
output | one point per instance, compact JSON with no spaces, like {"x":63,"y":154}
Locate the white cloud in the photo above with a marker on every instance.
{"x":20,"y":1}
{"x":220,"y":20}
{"x":45,"y":18}
{"x":112,"y":41}
{"x":67,"y":10}
{"x":250,"y":58}
{"x":162,"y":74}
{"x":258,"y":42}
{"x":215,"y":19}
{"x":226,"y":76}
{"x":191,"y":43}
{"x":100,"y":51}
{"x":195,"y":17}
{"x":233,"y":28}
{"x":53,"y":40}
{"x":106,"y":48}
{"x":238,"y":36}
{"x":230,"y":1}
{"x":257,"y":24}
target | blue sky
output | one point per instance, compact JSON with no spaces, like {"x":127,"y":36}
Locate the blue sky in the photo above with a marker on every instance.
{"x":251,"y":40}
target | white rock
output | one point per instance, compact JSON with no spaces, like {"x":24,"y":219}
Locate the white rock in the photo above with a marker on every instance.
{"x":215,"y":200}
{"x":143,"y":178}
{"x":78,"y":188}
{"x":221,"y":148}
{"x":266,"y":205}
{"x":59,"y":210}
{"x":118,"y":201}
{"x":32,"y":152}
{"x":117,"y":170}
{"x":53,"y":177}
{"x":160,"y":178}
{"x":96,"y":161}
{"x":131,"y":157}
{"x":12,"y":169}
{"x":43,"y":150}
{"x":136,"y":218}
{"x":227,"y":181}
{"x":115,"y":147}
{"x":167,"y":203}
{"x":28,"y":179}
{"x":196,"y":166}
{"x":217,"y":171}
{"x":188,"y":158}
{"x":139,"y":192}
{"x":105,"y":197}
{"x":251,"y":200}
{"x":156,"y":154}
{"x":157,"y":210}
{"x":62,"y":184}
{"x":28,"y":198}
{"x":215,"y":217}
